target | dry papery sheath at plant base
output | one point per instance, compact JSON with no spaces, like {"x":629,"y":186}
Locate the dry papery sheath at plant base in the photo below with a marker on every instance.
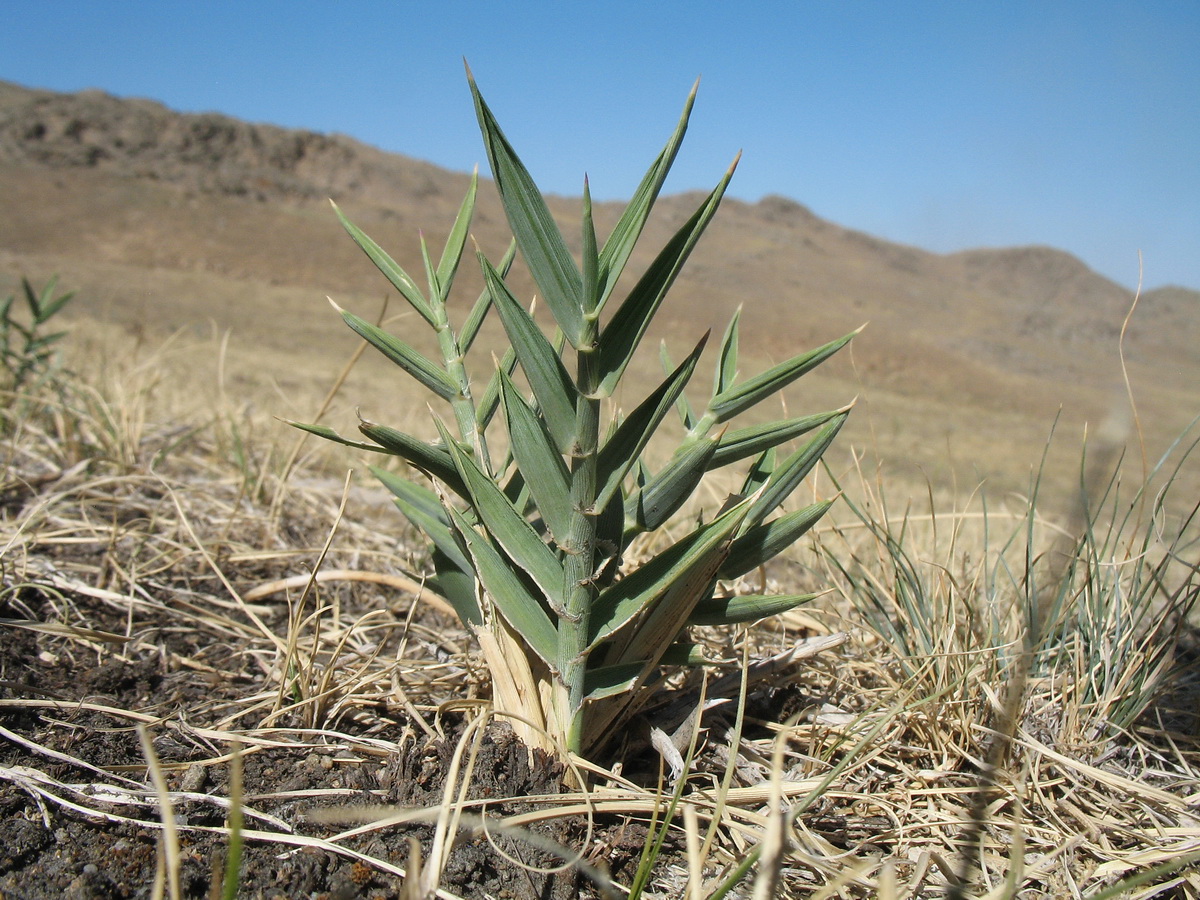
{"x":530,"y":545}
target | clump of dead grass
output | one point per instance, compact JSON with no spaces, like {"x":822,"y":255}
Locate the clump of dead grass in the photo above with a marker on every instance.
{"x":843,"y":749}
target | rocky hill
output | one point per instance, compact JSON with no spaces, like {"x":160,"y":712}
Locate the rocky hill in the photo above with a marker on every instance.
{"x":163,"y":220}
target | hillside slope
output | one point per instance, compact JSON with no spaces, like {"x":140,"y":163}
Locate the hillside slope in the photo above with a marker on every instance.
{"x":165,"y":221}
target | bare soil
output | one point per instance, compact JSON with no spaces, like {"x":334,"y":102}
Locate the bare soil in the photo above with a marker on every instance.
{"x":55,"y":712}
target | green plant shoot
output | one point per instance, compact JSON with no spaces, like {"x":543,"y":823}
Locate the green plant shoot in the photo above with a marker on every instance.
{"x":533,"y":547}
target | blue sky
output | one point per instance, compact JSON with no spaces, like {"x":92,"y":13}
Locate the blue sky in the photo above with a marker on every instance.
{"x":945,"y":125}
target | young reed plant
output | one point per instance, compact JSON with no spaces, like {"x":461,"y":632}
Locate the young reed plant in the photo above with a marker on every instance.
{"x":532,"y":545}
{"x":26,"y":350}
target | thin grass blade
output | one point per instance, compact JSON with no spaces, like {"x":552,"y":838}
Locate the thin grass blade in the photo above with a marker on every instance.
{"x":788,"y":475}
{"x":628,"y":229}
{"x":623,"y":334}
{"x":608,"y":681}
{"x":457,"y":239}
{"x":749,"y":393}
{"x":432,"y":459}
{"x":389,"y":267}
{"x":410,"y":360}
{"x":746,"y":608}
{"x":619,"y":603}
{"x":474,"y":321}
{"x":764,"y":542}
{"x":727,"y":359}
{"x":623,"y":449}
{"x":743,"y":442}
{"x":661,"y":496}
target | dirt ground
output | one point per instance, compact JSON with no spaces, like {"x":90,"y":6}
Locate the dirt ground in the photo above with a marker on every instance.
{"x":63,"y":736}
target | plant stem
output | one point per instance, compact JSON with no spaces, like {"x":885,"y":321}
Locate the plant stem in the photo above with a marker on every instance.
{"x":463,"y":404}
{"x":580,"y":548}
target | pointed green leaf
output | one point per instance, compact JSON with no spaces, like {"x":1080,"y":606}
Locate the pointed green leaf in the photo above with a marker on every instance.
{"x":747,"y":608}
{"x":537,"y":235}
{"x":741,"y":397}
{"x":662,"y":495}
{"x":622,"y":450}
{"x":432,"y":459}
{"x":743,"y":442}
{"x":668,"y":615}
{"x":436,"y":295}
{"x":456,"y":240}
{"x":762,"y":543}
{"x":590,"y":296}
{"x":684,"y":654}
{"x":458,"y":586}
{"x":727,"y":359}
{"x":410,"y":360}
{"x":508,"y":527}
{"x":474,"y":322}
{"x":628,"y":229}
{"x":540,"y":463}
{"x":397,"y":276}
{"x":789,"y":473}
{"x":552,"y":386}
{"x":682,"y":405}
{"x":608,"y":681}
{"x":490,"y":401}
{"x":514,"y":601}
{"x":422,"y":507}
{"x":621,"y":336}
{"x":758,"y":473}
{"x":620,"y":602}
{"x":324,"y":431}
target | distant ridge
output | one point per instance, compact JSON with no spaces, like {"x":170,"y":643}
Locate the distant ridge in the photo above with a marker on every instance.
{"x":115,"y":192}
{"x":206,"y":151}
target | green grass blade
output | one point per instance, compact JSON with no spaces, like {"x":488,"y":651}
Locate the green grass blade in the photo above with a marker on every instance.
{"x":759,"y":473}
{"x":389,"y":267}
{"x":667,"y":615}
{"x":508,"y":527}
{"x":661,"y":496}
{"x":623,"y":334}
{"x":537,"y":235}
{"x":749,"y":393}
{"x":608,"y":681}
{"x":436,"y":295}
{"x":510,"y":595}
{"x":746,"y":608}
{"x":456,"y":240}
{"x":410,"y":360}
{"x":622,"y":450}
{"x":422,"y":507}
{"x":457,"y":585}
{"x":539,"y":461}
{"x":474,"y":321}
{"x":788,"y":475}
{"x":490,"y":401}
{"x":619,"y":603}
{"x":551,"y":384}
{"x":683,"y":405}
{"x":591,"y":263}
{"x":628,"y":229}
{"x":429,"y":458}
{"x":743,"y":442}
{"x":727,"y":359}
{"x":764,"y":542}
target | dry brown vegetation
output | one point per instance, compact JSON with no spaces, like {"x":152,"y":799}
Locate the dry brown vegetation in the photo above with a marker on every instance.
{"x":151,"y":505}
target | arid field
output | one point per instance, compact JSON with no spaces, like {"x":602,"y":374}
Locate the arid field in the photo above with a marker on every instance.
{"x":215,"y":630}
